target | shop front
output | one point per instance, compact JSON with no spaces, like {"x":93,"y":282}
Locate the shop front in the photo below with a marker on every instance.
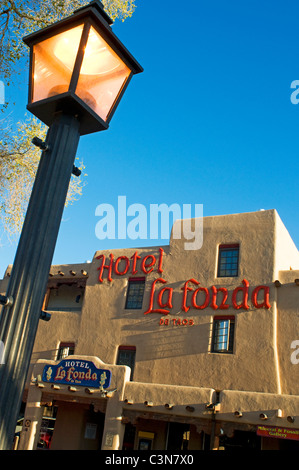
{"x":80,"y":403}
{"x":71,"y":403}
{"x":78,"y":425}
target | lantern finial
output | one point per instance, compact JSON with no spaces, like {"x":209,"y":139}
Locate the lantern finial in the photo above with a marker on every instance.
{"x":98,"y":5}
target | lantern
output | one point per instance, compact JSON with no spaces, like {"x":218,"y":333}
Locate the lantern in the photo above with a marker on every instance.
{"x":79,"y":66}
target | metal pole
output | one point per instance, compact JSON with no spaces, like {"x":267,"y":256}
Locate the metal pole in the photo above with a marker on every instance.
{"x":28,"y":281}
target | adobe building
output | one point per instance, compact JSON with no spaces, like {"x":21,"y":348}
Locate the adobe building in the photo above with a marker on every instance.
{"x":164,"y":348}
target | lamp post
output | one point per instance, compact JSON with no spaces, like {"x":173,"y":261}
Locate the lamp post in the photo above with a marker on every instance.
{"x":79,"y":71}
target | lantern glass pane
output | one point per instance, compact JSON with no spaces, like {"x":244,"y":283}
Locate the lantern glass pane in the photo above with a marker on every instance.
{"x":53,"y":63}
{"x":102,"y":75}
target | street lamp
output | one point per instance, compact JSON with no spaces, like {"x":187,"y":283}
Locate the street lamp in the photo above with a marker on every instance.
{"x":78,"y":65}
{"x":79,"y":71}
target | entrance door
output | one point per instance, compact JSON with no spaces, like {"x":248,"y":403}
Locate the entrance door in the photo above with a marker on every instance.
{"x":77,"y":427}
{"x":178,"y":436}
{"x":93,"y":430}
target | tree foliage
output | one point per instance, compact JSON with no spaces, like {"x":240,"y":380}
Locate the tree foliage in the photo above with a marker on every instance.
{"x":19,"y":18}
{"x":18,"y":157}
{"x":18,"y":165}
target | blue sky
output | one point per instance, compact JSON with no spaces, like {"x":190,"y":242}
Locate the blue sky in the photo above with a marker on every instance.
{"x":209,"y":121}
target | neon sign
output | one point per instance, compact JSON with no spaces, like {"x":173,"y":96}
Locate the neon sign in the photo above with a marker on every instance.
{"x":193,"y":296}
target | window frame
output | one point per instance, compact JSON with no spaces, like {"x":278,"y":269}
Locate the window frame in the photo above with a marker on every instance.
{"x":131,"y":282}
{"x":226,"y":332}
{"x":125,"y":348}
{"x":63,"y":345}
{"x":225,"y":248}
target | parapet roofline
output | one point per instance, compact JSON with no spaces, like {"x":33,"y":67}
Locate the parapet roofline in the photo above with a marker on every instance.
{"x":62,"y":270}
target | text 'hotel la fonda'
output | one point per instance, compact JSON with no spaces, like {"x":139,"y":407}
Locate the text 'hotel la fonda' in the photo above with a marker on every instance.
{"x":161,"y":348}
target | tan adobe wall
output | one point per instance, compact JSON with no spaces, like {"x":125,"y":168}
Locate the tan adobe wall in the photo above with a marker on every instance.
{"x":180,"y":354}
{"x":288,"y":331}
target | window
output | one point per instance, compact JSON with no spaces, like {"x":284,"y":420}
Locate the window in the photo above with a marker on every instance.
{"x":228,"y":260}
{"x":66,"y":297}
{"x":135,"y":293}
{"x":126,"y":357}
{"x":223,"y":334}
{"x":65,"y":349}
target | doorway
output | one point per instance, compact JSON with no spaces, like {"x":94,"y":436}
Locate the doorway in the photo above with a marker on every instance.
{"x":77,"y":427}
{"x":178,"y":436}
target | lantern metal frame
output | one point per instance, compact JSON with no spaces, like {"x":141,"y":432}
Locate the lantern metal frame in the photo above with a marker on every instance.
{"x":89,"y":16}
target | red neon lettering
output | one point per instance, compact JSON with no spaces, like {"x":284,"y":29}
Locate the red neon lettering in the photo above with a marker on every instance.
{"x":144,"y":265}
{"x":104,"y":266}
{"x":150,"y":309}
{"x":223,"y":305}
{"x":160,"y":270}
{"x":127,"y":265}
{"x":135,"y":257}
{"x":185,"y":290}
{"x":177,"y":322}
{"x":168,"y":302}
{"x":207,"y":298}
{"x":244,"y":303}
{"x":265,"y":303}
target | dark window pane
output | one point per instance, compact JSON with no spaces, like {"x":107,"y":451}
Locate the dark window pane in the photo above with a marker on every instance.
{"x":228,"y":261}
{"x":65,"y":349}
{"x":126,"y":357}
{"x":135,"y":294}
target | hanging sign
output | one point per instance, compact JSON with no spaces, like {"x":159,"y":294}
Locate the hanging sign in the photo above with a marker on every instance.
{"x":279,"y":432}
{"x":77,"y":372}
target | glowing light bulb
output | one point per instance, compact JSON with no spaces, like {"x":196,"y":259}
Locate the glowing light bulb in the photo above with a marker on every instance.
{"x":99,"y":59}
{"x":66,"y":46}
{"x":102,"y":72}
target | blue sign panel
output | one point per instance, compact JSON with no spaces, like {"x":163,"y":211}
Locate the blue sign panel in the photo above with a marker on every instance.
{"x":77,"y":372}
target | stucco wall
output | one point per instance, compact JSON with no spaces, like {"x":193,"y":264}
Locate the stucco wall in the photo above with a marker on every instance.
{"x":288,"y":331}
{"x":180,"y":355}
